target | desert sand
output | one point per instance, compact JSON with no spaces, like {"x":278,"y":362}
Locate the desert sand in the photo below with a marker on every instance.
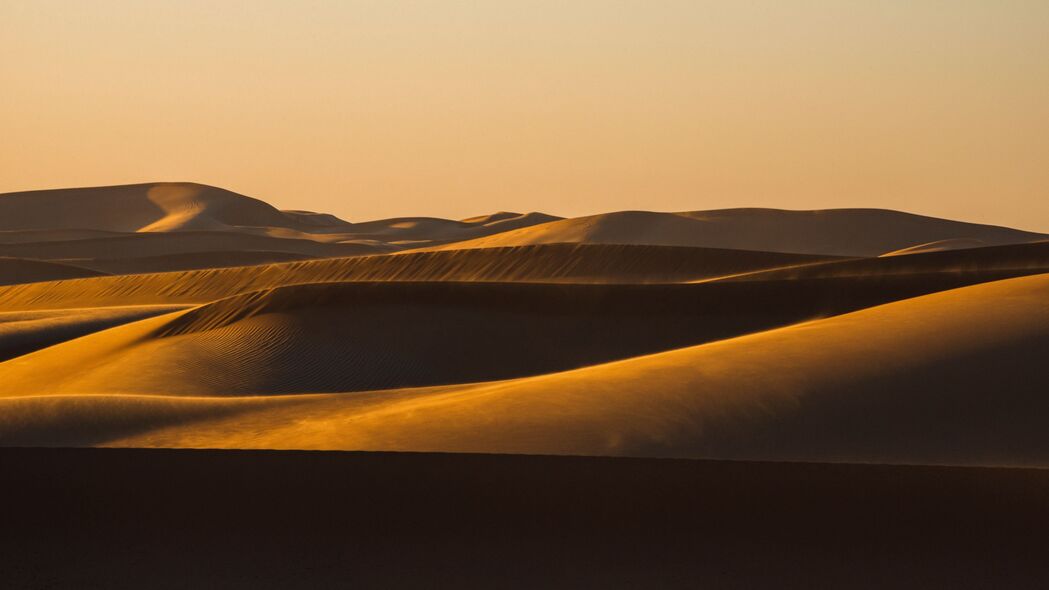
{"x":183,"y":316}
{"x":625,"y":334}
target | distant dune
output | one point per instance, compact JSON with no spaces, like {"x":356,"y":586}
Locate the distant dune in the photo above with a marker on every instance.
{"x":151,"y":207}
{"x":175,"y":207}
{"x":845,"y":232}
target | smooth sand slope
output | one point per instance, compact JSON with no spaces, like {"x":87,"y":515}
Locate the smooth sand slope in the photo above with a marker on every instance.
{"x":952,"y":377}
{"x":22,"y":332}
{"x":844,"y":232}
{"x":547,"y":263}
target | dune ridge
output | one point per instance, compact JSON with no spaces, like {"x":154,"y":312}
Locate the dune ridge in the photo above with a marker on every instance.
{"x":545,"y":263}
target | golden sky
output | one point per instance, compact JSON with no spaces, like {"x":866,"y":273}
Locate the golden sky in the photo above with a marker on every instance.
{"x":382,"y":108}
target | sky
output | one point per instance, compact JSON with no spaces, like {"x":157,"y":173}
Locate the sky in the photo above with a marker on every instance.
{"x":371,"y":109}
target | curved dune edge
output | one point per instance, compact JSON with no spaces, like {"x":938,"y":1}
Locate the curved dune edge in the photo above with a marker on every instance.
{"x":28,"y":331}
{"x":952,"y":377}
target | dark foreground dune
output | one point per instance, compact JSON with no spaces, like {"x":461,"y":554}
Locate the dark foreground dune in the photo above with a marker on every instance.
{"x":107,"y":518}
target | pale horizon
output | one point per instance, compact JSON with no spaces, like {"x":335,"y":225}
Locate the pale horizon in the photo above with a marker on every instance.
{"x":372,"y":110}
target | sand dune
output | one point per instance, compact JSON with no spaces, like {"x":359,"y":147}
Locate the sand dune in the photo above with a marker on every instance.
{"x":362,"y":336}
{"x":14,"y":271}
{"x":421,"y":231}
{"x":992,"y":260}
{"x":549,"y":263}
{"x":139,"y":208}
{"x":845,"y":232}
{"x":82,"y":213}
{"x":951,"y":377}
{"x":614,"y":334}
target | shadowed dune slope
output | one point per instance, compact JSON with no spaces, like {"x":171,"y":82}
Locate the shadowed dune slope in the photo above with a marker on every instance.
{"x":952,"y":377}
{"x":846,"y":232}
{"x":1018,"y":258}
{"x":189,"y":261}
{"x":360,"y":336}
{"x":548,"y":263}
{"x":22,"y":332}
{"x":14,"y":271}
{"x":363,"y":336}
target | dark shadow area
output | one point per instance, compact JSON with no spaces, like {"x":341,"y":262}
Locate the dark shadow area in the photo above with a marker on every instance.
{"x":102,"y":518}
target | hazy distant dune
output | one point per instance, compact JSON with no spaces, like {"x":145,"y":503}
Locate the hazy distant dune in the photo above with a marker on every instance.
{"x":845,"y":232}
{"x":138,"y":207}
